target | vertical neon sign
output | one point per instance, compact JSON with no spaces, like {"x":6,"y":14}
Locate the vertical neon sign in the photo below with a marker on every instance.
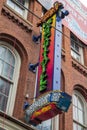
{"x":46,"y":43}
{"x":49,"y":71}
{"x":54,"y":102}
{"x":45,"y":70}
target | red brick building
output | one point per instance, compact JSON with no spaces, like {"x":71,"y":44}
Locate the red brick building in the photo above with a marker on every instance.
{"x":17,"y":51}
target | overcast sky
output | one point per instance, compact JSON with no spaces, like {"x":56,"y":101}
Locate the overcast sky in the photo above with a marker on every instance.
{"x":84,"y":2}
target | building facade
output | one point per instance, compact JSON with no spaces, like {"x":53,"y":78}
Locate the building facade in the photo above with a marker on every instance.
{"x":18,"y":51}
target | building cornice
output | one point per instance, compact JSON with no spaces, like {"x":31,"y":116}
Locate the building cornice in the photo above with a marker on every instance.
{"x":79,"y":67}
{"x":17,"y":19}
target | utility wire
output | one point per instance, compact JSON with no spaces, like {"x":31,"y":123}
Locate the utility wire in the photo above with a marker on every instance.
{"x":19,"y":3}
{"x":70,"y":38}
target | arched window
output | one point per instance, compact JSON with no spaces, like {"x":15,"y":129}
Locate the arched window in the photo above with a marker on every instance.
{"x":9,"y":73}
{"x":79,"y":111}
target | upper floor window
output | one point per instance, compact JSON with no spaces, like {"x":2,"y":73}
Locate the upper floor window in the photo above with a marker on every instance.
{"x":18,"y":6}
{"x":43,"y":11}
{"x":79,"y":112}
{"x":9,"y":73}
{"x":76,"y":49}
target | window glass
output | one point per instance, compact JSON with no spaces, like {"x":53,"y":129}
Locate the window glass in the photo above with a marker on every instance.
{"x":21,"y":1}
{"x":77,"y":127}
{"x":10,"y":62}
{"x":2,"y":128}
{"x":45,"y":125}
{"x":18,"y":6}
{"x":1,"y":66}
{"x":74,"y":126}
{"x":75,"y":100}
{"x":2,"y":52}
{"x":72,"y":43}
{"x":75,"y":55}
{"x":3,"y":102}
{"x":9,"y":57}
{"x":80,"y":127}
{"x":8,"y":71}
{"x":78,"y":109}
{"x":7,"y":63}
{"x":18,"y":10}
{"x":76,"y":49}
{"x":4,"y":87}
{"x":78,"y":113}
{"x":4,"y":93}
{"x":75,"y":113}
{"x":80,"y":105}
{"x":80,"y":116}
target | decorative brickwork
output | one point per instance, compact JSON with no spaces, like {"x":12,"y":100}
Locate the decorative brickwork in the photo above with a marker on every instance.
{"x":80,"y":68}
{"x":82,"y":90}
{"x":17,"y":20}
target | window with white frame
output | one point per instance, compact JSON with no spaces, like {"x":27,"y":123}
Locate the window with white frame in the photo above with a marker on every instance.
{"x":45,"y":125}
{"x":18,"y":6}
{"x":51,"y":124}
{"x":76,"y":49}
{"x":43,"y":11}
{"x":9,"y":73}
{"x":79,"y":112}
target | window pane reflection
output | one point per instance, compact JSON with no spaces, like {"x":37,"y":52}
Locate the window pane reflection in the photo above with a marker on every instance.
{"x":1,"y":66}
{"x":80,"y":116}
{"x":10,"y":58}
{"x":77,"y":127}
{"x":80,"y":104}
{"x":8,"y":71}
{"x":75,"y":113}
{"x":3,"y":102}
{"x":45,"y":125}
{"x":75,"y":100}
{"x":7,"y":64}
{"x":16,"y":6}
{"x":2,"y":52}
{"x":78,"y":113}
{"x":4,"y":87}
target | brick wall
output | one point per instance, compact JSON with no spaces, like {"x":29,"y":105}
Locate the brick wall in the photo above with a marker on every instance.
{"x":18,"y":33}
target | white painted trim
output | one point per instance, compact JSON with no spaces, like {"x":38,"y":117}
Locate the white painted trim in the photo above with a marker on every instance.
{"x":23,"y":12}
{"x":55,"y":123}
{"x":84,"y":103}
{"x":11,"y":99}
{"x":9,"y":125}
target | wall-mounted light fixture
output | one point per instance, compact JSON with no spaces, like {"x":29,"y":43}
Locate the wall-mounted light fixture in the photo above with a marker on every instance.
{"x":36,"y":39}
{"x":32,"y":67}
